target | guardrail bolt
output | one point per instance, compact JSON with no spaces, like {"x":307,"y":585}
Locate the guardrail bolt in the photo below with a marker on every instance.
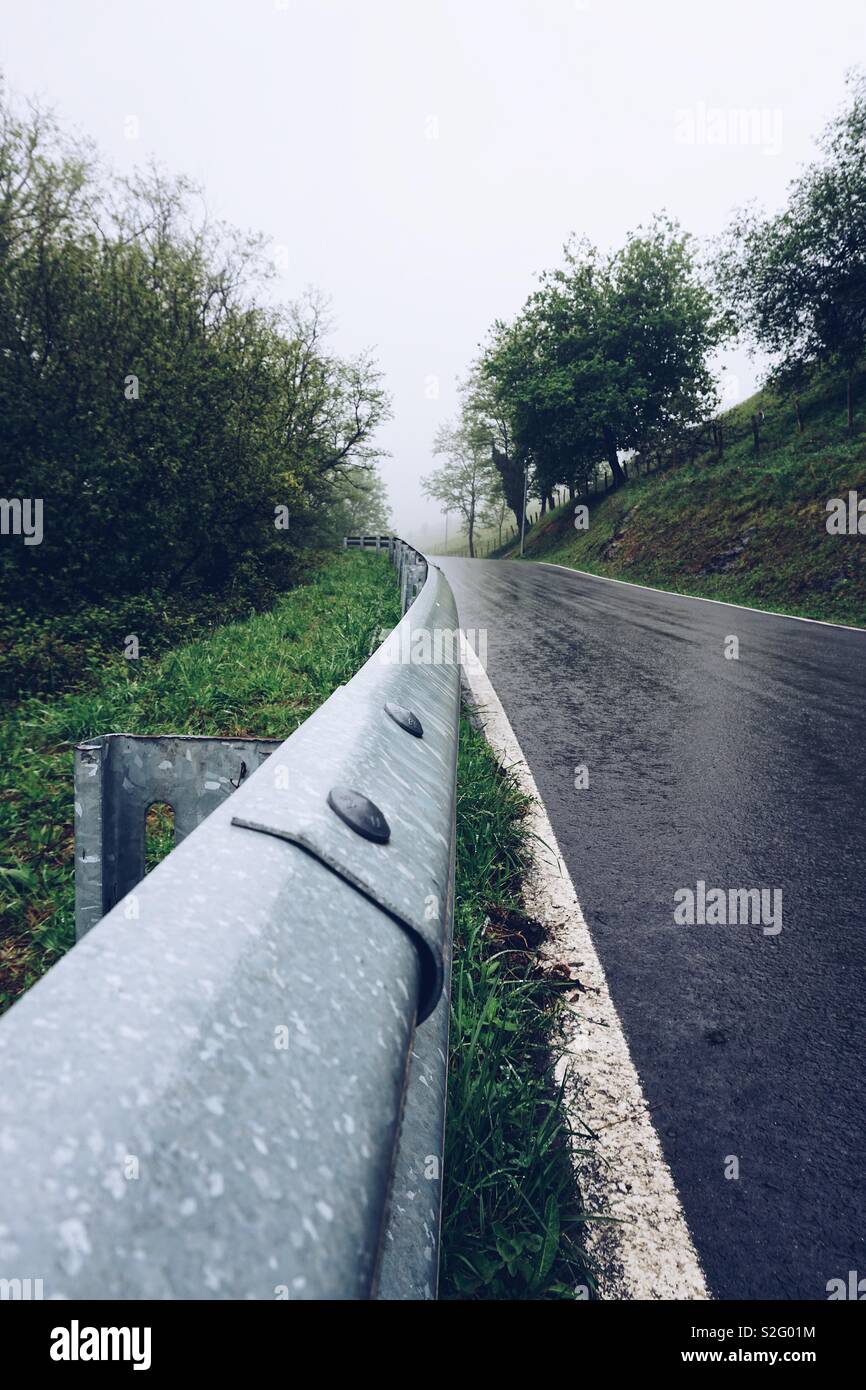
{"x":406,"y":718}
{"x":360,"y":814}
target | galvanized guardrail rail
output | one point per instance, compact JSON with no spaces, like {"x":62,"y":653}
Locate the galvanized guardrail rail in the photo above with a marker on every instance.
{"x":234,"y":1085}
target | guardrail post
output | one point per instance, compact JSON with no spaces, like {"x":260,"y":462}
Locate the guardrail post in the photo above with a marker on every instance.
{"x":404,"y":581}
{"x":88,"y":769}
{"x":117,"y":777}
{"x":417,"y":575}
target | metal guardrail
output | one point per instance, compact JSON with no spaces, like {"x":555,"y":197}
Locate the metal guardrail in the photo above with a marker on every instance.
{"x":222,"y":1091}
{"x":411,"y":564}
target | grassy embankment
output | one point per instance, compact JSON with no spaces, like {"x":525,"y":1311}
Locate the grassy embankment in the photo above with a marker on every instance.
{"x":512,"y":1219}
{"x":748,"y":529}
{"x":261,"y":677}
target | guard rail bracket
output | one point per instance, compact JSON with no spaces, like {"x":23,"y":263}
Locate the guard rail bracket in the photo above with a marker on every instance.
{"x":426,"y":939}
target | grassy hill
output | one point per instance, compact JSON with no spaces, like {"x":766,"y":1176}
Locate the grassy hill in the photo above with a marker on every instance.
{"x":745,"y":528}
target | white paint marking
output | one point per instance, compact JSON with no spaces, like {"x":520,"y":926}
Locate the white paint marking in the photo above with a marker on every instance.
{"x":647,"y":1252}
{"x":697,"y":598}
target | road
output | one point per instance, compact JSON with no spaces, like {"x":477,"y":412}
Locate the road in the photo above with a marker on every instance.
{"x":742,"y":773}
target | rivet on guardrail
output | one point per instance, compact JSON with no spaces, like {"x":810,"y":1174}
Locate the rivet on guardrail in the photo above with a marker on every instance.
{"x":406,"y":718}
{"x":360,"y":814}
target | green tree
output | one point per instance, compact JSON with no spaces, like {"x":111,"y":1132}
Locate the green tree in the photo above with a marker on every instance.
{"x":488,"y":408}
{"x":466,"y":480}
{"x":495,"y":510}
{"x":160,"y":411}
{"x":358,"y":507}
{"x":606,"y":353}
{"x":796,"y":281}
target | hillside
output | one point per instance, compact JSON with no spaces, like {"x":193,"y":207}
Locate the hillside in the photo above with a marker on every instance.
{"x":746,"y":529}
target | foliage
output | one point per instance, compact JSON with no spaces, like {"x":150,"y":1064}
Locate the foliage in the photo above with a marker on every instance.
{"x":487,"y":411}
{"x":495,"y":511}
{"x":161,"y":412}
{"x":796,"y":280}
{"x":51,"y":652}
{"x":466,"y":481}
{"x":607,"y":354}
{"x":358,"y":506}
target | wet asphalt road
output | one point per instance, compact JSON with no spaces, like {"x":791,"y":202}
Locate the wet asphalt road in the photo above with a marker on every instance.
{"x":746,"y":773}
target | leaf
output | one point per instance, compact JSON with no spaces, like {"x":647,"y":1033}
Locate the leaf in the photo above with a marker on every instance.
{"x":23,"y":876}
{"x":550,"y":1245}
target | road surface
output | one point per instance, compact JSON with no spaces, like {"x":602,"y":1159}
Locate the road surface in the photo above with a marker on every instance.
{"x":741,"y":773}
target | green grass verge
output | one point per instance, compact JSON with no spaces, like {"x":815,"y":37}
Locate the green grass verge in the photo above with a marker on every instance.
{"x":261,"y":677}
{"x":51,"y":653}
{"x":512,"y":1218}
{"x":744,"y":528}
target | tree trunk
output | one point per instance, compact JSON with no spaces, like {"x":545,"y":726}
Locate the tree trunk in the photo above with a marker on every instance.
{"x":511,"y":472}
{"x":615,"y":466}
{"x":799,"y":414}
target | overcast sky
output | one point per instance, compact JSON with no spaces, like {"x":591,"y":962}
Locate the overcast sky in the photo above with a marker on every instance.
{"x":421,"y":161}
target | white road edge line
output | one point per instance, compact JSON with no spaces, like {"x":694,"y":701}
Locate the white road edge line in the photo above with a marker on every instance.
{"x":698,"y":598}
{"x":647,"y":1251}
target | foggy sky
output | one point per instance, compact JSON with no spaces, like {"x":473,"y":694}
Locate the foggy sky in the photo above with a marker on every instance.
{"x":419,"y":162}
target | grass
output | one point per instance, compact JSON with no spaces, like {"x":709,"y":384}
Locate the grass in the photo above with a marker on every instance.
{"x":512,"y":1217}
{"x":54,"y":652}
{"x":744,"y":528}
{"x":261,"y":677}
